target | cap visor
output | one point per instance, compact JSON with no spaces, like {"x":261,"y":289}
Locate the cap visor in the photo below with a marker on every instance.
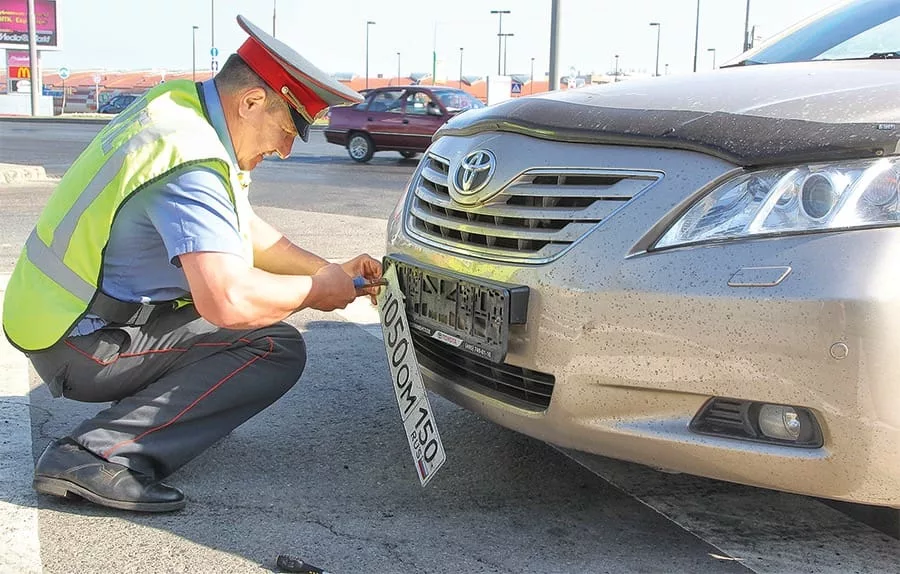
{"x":301,"y":124}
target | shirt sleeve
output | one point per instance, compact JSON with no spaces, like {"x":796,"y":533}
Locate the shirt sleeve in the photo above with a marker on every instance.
{"x":193,"y":213}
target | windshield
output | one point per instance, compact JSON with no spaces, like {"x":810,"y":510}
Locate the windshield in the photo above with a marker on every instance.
{"x":864,"y":29}
{"x":458,"y":101}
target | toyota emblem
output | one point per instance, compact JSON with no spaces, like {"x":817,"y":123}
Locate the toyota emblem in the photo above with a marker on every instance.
{"x":475,"y":172}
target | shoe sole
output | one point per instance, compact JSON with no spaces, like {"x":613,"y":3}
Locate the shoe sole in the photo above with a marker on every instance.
{"x":66,"y":489}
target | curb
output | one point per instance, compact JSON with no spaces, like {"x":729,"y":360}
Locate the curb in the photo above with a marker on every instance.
{"x":50,"y":119}
{"x":77,"y":120}
{"x":11,"y":174}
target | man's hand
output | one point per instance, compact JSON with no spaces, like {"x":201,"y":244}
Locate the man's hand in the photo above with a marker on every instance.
{"x":332,"y":288}
{"x":368,"y":268}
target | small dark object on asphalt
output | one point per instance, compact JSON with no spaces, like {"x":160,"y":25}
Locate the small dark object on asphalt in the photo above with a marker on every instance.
{"x":288,"y":563}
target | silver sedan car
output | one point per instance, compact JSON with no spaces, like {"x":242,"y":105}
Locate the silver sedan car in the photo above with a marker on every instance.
{"x":699,"y":273}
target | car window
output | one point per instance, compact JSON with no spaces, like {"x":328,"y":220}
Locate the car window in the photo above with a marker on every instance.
{"x":121,"y":101}
{"x":417,"y":103}
{"x":857,"y":30}
{"x":882,"y":39}
{"x":459,"y":101}
{"x":386,"y":101}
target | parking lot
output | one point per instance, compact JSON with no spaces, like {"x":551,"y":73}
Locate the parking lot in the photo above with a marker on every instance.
{"x":325,"y":474}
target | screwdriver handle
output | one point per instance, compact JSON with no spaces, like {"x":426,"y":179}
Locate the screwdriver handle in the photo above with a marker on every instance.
{"x":360,"y":282}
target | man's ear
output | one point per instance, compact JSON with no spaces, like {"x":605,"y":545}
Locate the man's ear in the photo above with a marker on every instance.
{"x":252,"y":102}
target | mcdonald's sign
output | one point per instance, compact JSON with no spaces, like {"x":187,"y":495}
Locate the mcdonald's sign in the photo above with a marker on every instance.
{"x":17,"y":65}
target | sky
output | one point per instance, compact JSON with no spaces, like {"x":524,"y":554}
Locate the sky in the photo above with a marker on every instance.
{"x":158,"y":34}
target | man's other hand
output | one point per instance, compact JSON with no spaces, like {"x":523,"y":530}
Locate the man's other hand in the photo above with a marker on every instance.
{"x":368,"y":268}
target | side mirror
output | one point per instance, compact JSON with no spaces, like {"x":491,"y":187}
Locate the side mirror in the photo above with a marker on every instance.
{"x":433,"y":109}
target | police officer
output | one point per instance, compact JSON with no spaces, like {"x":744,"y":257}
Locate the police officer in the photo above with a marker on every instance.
{"x":149,"y":281}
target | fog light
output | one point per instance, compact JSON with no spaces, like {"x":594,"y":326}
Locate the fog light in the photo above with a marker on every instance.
{"x":781,"y":422}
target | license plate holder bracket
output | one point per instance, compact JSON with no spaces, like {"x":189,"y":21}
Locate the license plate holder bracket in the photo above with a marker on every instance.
{"x":470,"y":313}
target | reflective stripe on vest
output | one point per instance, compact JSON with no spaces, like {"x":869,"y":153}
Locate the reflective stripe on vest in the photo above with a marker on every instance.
{"x":51,"y":264}
{"x":57,"y":274}
{"x":62,"y":235}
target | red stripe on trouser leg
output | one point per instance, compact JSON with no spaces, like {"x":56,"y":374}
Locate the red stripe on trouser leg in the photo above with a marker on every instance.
{"x":144,"y":353}
{"x":109,"y":452}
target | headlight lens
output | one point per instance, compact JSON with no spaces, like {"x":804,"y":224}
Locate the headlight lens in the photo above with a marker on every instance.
{"x":794,"y":200}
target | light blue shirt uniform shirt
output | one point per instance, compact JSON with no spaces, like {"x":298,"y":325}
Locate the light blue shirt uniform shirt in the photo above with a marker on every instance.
{"x":187,"y":212}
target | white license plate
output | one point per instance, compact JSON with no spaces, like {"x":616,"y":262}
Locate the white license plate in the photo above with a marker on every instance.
{"x":412,"y":399}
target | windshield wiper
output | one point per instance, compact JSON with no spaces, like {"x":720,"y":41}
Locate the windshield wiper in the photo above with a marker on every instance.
{"x":875,"y":56}
{"x":741,"y":63}
{"x":884,"y":55}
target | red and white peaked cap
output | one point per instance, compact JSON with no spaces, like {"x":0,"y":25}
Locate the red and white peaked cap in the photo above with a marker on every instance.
{"x":308,"y":90}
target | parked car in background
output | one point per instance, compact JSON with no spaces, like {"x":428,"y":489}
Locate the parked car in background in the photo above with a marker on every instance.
{"x":398,"y":118}
{"x":117,"y":103}
{"x":698,"y":272}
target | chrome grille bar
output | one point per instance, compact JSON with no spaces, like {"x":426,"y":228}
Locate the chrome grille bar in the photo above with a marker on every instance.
{"x":622,"y":190}
{"x":569,"y":233}
{"x":597,"y":211}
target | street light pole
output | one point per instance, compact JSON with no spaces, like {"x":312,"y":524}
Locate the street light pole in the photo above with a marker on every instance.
{"x":554,"y":45}
{"x":747,"y":28}
{"x":500,"y":37}
{"x":398,"y":68}
{"x":713,"y":50}
{"x":274,"y":2}
{"x":697,"y":36}
{"x":532,"y":76}
{"x":460,"y":67}
{"x":616,"y":73}
{"x":212,"y":39}
{"x":34,"y":72}
{"x":194,"y":51}
{"x":368,"y":23}
{"x":505,"y":36}
{"x":658,"y":31}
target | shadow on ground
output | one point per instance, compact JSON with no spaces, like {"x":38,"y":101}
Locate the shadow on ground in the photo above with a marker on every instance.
{"x":326,"y":474}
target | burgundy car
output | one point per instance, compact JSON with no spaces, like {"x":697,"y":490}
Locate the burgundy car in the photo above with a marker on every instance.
{"x":401,"y":118}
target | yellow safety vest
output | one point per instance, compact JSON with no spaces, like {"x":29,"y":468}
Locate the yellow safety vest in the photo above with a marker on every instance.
{"x":60,"y":269}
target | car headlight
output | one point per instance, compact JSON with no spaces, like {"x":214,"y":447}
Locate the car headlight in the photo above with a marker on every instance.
{"x":819,"y":197}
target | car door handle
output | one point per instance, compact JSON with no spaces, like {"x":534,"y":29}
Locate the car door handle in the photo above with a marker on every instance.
{"x":405,"y":121}
{"x":371,"y":119}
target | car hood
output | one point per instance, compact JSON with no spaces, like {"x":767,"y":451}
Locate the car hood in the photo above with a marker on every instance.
{"x":750,"y":115}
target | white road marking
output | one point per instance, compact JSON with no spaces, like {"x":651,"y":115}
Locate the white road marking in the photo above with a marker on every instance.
{"x":20,"y":550}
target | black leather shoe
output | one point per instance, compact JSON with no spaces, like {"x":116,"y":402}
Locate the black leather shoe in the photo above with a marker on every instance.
{"x":66,"y":468}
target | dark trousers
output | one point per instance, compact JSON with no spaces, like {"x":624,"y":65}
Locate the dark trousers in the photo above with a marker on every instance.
{"x":178,"y":383}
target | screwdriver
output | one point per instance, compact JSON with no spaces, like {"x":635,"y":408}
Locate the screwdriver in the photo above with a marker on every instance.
{"x":361,"y":283}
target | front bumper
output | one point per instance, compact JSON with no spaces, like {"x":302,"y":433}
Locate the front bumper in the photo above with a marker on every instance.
{"x":637,"y":342}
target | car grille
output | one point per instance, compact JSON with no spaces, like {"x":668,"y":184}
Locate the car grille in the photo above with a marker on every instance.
{"x":533,"y":219}
{"x":520,"y":387}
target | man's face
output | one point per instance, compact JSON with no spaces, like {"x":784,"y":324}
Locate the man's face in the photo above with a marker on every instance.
{"x":265,"y":128}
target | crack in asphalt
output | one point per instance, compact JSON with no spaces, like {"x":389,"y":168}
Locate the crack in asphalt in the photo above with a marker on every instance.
{"x":390,"y":547}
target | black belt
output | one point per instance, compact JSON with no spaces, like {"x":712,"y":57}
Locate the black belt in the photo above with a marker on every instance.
{"x":113,"y":310}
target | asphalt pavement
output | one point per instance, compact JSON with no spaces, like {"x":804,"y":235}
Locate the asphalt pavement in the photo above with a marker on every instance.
{"x":326,"y":474}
